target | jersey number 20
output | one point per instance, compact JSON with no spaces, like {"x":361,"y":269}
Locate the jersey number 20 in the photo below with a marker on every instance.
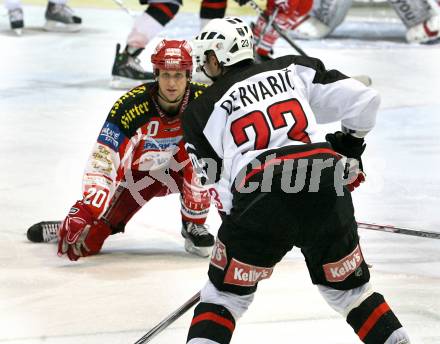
{"x":277,"y":115}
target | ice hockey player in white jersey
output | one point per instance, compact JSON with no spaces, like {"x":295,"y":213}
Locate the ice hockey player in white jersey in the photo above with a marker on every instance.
{"x":420,"y":17}
{"x":59,"y":16}
{"x":282,"y":181}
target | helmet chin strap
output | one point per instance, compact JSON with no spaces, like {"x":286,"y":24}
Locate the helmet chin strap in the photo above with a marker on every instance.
{"x":213,"y":78}
{"x":178,"y":100}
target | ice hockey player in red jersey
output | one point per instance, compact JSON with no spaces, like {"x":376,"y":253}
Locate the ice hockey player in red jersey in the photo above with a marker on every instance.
{"x":282,"y":181}
{"x":287,"y":14}
{"x":138,"y":155}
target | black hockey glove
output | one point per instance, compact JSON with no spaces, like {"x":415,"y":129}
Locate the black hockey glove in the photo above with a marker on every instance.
{"x":351,"y":147}
{"x":242,"y":2}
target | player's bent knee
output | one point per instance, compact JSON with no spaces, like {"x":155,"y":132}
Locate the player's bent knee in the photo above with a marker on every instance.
{"x":236,"y":304}
{"x":343,"y":301}
{"x":164,"y":12}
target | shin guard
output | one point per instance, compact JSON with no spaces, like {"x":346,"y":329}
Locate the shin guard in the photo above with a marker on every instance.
{"x":212,"y":322}
{"x":373,"y":320}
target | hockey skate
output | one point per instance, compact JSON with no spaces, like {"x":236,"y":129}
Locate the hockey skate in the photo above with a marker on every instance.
{"x":198,"y":240}
{"x":426,"y":32}
{"x":16,"y":20}
{"x":44,"y":231}
{"x":127,"y":71}
{"x":60,"y":18}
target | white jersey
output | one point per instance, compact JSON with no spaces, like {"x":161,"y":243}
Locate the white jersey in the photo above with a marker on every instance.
{"x":268,"y":106}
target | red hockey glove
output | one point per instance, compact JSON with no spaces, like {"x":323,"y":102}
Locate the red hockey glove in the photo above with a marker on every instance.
{"x":80,"y":234}
{"x":195,"y":198}
{"x":351,"y":147}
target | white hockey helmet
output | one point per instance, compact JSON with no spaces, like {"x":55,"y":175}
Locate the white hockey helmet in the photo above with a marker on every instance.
{"x":230,"y":38}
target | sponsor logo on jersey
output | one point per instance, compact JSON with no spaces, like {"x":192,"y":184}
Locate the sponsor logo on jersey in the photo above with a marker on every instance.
{"x":245,"y":275}
{"x":162,"y":144}
{"x":134,"y":112}
{"x":102,"y":159}
{"x":111,"y":136}
{"x":340,"y":270}
{"x":131,"y":94}
{"x":197,"y":93}
{"x":219,"y":258}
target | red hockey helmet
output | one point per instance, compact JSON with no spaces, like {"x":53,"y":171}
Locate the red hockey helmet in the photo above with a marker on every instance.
{"x":172,"y":55}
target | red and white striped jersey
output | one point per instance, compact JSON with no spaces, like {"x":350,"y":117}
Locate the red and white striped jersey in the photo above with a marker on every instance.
{"x":137,"y":136}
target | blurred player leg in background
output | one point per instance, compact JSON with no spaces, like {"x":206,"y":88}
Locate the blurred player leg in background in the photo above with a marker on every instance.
{"x":420,"y":17}
{"x":289,"y":13}
{"x":127,"y":71}
{"x":211,"y":9}
{"x":324,"y":18}
{"x":15,"y":13}
{"x":59,"y":16}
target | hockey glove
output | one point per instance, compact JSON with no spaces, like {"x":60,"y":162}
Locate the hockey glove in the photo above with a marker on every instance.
{"x":80,"y":234}
{"x":351,"y":147}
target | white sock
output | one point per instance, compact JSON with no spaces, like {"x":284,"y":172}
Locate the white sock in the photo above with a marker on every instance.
{"x":59,"y":2}
{"x":12,"y":4}
{"x":145,"y":28}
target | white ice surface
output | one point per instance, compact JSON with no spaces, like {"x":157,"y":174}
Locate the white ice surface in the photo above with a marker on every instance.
{"x":54,"y":97}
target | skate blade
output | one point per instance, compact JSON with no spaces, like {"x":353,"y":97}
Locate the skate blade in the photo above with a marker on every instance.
{"x":432,"y":41}
{"x":121,"y":83}
{"x":55,"y":26}
{"x":18,"y":32}
{"x":197,"y":250}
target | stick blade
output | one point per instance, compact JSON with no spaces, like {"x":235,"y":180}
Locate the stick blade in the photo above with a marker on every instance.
{"x":365,"y":79}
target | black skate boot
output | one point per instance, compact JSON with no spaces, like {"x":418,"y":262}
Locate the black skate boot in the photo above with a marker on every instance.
{"x":60,"y":18}
{"x":43,"y":231}
{"x":16,"y":20}
{"x":127,"y":71}
{"x":197,"y":239}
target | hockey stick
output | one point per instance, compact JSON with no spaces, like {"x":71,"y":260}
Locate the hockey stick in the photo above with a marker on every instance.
{"x":169,"y":319}
{"x":269,"y":23}
{"x":399,"y":230}
{"x":121,"y":4}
